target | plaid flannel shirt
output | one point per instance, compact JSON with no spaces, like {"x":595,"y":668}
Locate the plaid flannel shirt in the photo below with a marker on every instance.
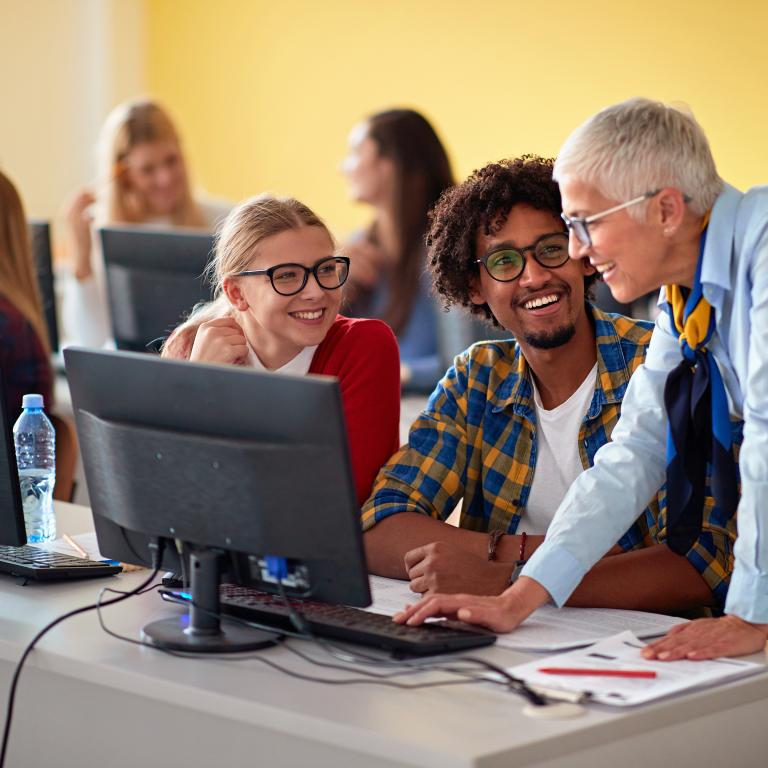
{"x":475,"y":443}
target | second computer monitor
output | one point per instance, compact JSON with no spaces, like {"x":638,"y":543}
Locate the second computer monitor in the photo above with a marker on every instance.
{"x":154,"y":279}
{"x":40,"y":232}
{"x":12,"y":532}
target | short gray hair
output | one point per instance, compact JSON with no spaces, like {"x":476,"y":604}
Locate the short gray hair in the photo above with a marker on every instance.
{"x":637,"y":146}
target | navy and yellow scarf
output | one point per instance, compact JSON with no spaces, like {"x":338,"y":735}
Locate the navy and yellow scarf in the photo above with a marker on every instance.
{"x":699,"y":430}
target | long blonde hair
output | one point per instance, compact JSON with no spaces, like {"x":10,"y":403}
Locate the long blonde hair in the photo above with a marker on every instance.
{"x":128,"y":125}
{"x":237,"y":242}
{"x":18,"y":282}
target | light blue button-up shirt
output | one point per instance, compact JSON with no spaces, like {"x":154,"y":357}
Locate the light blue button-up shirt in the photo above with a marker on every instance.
{"x":605,"y":499}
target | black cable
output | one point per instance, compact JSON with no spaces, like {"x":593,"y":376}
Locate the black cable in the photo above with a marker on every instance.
{"x":513,"y":683}
{"x":378,"y":679}
{"x":304,"y":633}
{"x":413,"y":667}
{"x":46,"y":629}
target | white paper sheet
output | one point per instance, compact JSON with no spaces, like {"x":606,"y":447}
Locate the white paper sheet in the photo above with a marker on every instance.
{"x":623,"y":652}
{"x":86,"y":540}
{"x":549,"y":628}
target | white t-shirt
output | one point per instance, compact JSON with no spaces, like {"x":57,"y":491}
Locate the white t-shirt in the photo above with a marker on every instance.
{"x":299,"y":366}
{"x":558,"y":462}
{"x":85,"y":309}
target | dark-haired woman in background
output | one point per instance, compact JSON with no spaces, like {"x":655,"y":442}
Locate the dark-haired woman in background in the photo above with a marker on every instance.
{"x":397,"y":165}
{"x":24,"y":348}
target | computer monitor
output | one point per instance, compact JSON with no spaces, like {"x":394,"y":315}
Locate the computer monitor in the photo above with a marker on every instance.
{"x":154,"y":279}
{"x":12,"y":531}
{"x":41,"y":252}
{"x":233,"y":464}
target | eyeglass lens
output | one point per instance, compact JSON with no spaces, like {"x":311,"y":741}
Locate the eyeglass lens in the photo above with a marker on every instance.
{"x":551,"y":252}
{"x":291,"y":278}
{"x":579,"y":228}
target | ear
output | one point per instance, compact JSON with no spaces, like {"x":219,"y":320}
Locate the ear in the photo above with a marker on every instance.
{"x":586,"y":268}
{"x":669,"y":210}
{"x":476,"y":295}
{"x":234,"y":293}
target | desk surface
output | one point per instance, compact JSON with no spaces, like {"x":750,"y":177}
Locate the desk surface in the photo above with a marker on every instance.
{"x":86,"y":697}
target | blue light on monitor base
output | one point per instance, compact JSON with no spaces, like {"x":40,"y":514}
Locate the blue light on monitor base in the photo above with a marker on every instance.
{"x":202,"y":630}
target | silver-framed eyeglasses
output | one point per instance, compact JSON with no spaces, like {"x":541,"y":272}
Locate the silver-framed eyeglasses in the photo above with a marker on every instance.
{"x":505,"y":263}
{"x":288,"y":279}
{"x":579,"y":225}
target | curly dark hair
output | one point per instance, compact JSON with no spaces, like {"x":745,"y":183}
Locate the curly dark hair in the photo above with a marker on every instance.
{"x":482,"y":204}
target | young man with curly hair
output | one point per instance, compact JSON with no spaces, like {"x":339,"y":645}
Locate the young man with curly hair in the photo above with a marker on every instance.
{"x":513,"y":423}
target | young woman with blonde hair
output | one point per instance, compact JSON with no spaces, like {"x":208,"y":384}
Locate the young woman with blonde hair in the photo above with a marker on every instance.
{"x":24,"y":345}
{"x":278,"y":281}
{"x":141,"y":179}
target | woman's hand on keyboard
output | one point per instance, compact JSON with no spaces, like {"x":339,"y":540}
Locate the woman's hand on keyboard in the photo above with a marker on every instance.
{"x":499,"y":614}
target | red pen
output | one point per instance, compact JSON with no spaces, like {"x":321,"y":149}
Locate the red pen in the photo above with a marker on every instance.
{"x":598,"y":672}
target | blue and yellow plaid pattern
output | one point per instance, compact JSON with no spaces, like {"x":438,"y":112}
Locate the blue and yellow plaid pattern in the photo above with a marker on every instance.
{"x":475,"y":443}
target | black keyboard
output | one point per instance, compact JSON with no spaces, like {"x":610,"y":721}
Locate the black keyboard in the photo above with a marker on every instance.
{"x":42,"y":565}
{"x":352,"y":625}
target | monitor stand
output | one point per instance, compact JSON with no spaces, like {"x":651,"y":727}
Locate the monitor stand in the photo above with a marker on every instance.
{"x":202,"y":630}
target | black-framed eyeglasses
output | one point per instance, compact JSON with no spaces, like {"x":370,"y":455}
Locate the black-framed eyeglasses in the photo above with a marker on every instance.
{"x":288,"y":279}
{"x":579,"y":225}
{"x":505,"y":263}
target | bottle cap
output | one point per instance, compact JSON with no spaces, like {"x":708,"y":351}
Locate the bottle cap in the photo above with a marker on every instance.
{"x":32,"y":401}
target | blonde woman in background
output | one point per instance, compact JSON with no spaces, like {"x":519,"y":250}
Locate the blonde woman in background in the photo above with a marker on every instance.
{"x":24,"y":346}
{"x":143,"y":180}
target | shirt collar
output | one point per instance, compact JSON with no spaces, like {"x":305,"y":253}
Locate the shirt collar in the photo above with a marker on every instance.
{"x":299,"y":366}
{"x":718,"y":250}
{"x":613,"y":373}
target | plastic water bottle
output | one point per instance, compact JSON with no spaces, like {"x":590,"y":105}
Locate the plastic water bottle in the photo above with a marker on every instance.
{"x":35,"y":441}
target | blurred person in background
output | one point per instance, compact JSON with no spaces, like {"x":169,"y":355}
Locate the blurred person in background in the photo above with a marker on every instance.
{"x":141,"y":179}
{"x":398,"y":166}
{"x":24,"y":347}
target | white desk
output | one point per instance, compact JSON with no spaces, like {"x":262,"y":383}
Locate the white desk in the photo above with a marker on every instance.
{"x":86,"y":699}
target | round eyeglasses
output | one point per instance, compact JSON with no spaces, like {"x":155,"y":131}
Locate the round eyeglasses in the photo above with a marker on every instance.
{"x":505,"y":264}
{"x":288,"y":279}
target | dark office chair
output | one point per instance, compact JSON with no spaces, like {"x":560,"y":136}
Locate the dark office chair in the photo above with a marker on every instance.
{"x":457,"y":329}
{"x":67,"y":450}
{"x":640,"y":309}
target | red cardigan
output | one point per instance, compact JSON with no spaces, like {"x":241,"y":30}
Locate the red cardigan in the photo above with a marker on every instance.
{"x":364,"y":356}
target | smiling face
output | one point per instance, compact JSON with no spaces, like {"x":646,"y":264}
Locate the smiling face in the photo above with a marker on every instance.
{"x":156,"y":173}
{"x":631,"y":255}
{"x":543,"y":307}
{"x":279,"y":327}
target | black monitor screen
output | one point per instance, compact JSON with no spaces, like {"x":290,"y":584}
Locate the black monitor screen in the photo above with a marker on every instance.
{"x":222,"y":459}
{"x":41,"y":251}
{"x":12,"y":532}
{"x":154,"y":279}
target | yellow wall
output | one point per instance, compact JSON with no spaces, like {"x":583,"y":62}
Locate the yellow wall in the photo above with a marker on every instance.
{"x":64,"y":65}
{"x":266,"y":91}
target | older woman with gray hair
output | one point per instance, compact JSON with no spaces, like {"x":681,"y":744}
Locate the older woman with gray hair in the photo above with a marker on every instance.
{"x":644,"y":203}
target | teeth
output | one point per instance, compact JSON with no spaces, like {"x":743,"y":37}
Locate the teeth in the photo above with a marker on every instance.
{"x":603,"y":267}
{"x":541,"y":301}
{"x":314,"y":315}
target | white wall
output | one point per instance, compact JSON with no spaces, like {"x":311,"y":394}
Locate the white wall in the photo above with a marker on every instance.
{"x":63,"y":65}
